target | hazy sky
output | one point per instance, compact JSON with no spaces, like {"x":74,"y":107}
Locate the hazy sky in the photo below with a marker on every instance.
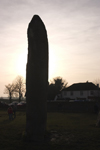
{"x":73,"y":28}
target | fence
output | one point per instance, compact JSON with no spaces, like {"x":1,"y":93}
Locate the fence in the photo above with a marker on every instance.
{"x":58,"y":106}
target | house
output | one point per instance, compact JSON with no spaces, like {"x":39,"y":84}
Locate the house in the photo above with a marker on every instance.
{"x":81,"y":91}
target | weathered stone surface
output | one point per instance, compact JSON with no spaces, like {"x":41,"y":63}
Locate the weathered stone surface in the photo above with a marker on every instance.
{"x":36,"y":80}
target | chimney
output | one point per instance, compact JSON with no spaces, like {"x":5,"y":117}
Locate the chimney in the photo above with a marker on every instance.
{"x":98,"y":85}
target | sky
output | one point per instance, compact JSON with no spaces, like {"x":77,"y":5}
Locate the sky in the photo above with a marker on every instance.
{"x":73,"y":28}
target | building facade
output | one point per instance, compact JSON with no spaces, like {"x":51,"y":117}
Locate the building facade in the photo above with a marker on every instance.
{"x":81,"y":91}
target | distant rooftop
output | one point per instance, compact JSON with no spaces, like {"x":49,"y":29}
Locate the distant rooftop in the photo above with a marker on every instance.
{"x":82,"y":87}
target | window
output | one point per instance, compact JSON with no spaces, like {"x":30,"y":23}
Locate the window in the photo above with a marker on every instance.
{"x":81,"y":93}
{"x":65,"y":93}
{"x":92,"y":92}
{"x":71,"y":93}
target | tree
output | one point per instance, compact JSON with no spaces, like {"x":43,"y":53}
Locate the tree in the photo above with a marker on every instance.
{"x":51,"y":91}
{"x":56,"y":86}
{"x":10,"y":89}
{"x":20,"y":87}
{"x":96,"y":82}
{"x":16,"y":89}
{"x":60,"y":83}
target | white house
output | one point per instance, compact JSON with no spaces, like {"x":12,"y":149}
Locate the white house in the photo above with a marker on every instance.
{"x":81,"y":91}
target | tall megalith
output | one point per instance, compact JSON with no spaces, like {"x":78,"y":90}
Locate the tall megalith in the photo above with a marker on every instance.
{"x":36,"y":80}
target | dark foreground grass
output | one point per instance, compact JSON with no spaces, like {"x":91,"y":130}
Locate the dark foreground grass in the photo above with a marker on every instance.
{"x":65,"y":131}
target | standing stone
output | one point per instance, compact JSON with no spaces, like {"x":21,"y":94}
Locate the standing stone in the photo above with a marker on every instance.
{"x":36,"y":80}
{"x":98,"y":120}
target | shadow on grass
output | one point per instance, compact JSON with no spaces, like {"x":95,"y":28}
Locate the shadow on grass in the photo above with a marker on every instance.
{"x":64,"y":131}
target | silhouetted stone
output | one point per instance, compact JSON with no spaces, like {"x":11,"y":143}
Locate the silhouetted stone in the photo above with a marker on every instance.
{"x":36,"y":80}
{"x":98,"y":120}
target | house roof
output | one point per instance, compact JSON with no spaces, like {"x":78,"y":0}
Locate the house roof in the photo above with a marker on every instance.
{"x":82,"y":87}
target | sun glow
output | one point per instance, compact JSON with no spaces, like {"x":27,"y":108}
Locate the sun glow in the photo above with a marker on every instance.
{"x":52,"y":64}
{"x":21,"y":64}
{"x":21,"y":60}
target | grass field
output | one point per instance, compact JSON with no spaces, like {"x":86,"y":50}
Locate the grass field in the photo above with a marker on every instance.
{"x":67,"y":131}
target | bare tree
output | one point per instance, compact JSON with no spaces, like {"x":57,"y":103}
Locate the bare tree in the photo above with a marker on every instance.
{"x":96,"y":82}
{"x":20,"y":87}
{"x":10,"y":89}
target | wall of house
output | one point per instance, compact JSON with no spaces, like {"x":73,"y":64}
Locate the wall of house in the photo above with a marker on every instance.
{"x":80,"y":95}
